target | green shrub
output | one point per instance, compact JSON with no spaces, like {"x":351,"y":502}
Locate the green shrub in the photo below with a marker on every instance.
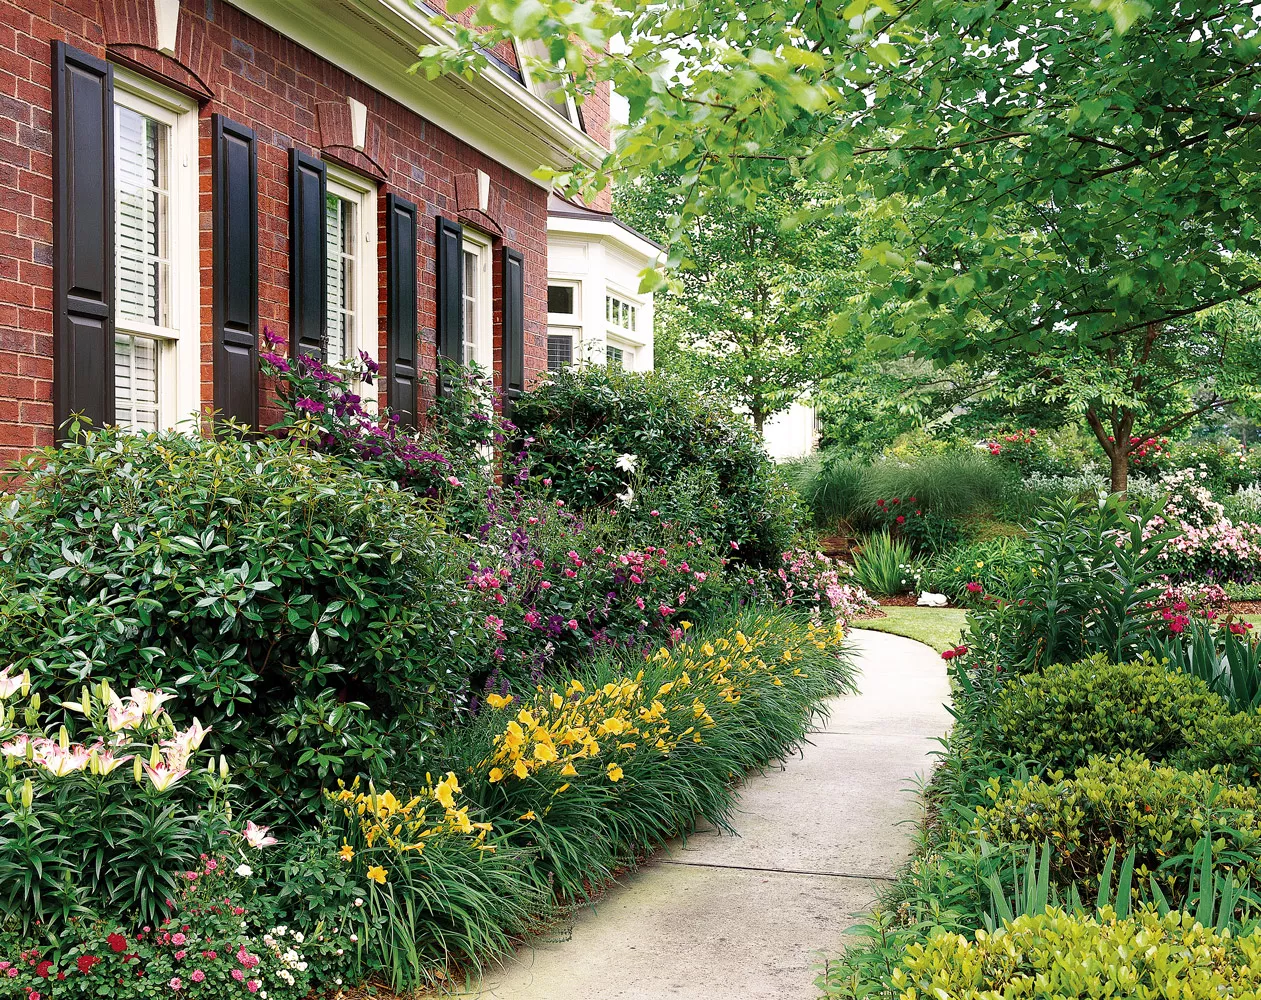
{"x":302,"y":610}
{"x":1125,"y":802}
{"x":1055,"y":955}
{"x":583,"y":419}
{"x":1000,"y":566}
{"x":1066,"y":713}
{"x":884,"y":565}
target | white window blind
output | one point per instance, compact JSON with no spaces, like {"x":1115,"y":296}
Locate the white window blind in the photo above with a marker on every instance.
{"x":343,"y":244}
{"x":141,"y":213}
{"x":136,"y":382}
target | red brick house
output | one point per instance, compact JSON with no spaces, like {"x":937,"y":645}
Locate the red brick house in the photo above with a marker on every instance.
{"x":178,"y":175}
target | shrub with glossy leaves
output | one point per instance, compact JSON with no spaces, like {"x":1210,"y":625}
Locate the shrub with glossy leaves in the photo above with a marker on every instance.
{"x":1127,"y":802}
{"x":302,"y":609}
{"x":580,"y":421}
{"x":1065,"y":713}
{"x":1143,"y":955}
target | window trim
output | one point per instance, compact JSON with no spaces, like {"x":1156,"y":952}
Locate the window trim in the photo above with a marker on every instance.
{"x":366,"y":331}
{"x":483,"y":338}
{"x":569,"y":318}
{"x":179,"y":354}
{"x":632,"y":302}
{"x":536,"y":49}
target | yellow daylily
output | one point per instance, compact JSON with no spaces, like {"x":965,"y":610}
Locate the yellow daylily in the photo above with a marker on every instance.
{"x":377,"y":874}
{"x":615,"y":772}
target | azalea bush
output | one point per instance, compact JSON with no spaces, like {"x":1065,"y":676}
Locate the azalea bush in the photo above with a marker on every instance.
{"x":1206,"y":544}
{"x":811,"y":580}
{"x":313,"y":616}
{"x":553,"y":587}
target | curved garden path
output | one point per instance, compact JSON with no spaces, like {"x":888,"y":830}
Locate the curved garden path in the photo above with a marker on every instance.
{"x":748,"y":917}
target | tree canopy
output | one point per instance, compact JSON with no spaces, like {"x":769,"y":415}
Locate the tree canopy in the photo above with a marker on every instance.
{"x":1058,"y":180}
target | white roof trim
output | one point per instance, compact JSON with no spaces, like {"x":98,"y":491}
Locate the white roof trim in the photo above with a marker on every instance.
{"x":493,"y":113}
{"x":606,"y":231}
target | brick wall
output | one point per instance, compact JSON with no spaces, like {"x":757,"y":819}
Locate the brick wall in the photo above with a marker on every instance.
{"x":288,"y":96}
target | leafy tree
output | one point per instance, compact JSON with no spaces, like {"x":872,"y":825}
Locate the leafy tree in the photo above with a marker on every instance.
{"x":748,"y":312}
{"x":1070,"y":184}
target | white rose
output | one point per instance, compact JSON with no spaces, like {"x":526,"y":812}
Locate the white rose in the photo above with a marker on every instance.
{"x":244,"y":870}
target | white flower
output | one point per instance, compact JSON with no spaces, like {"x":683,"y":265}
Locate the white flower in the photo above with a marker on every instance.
{"x":245,"y":871}
{"x":359,"y":902}
{"x":626,"y":463}
{"x":627,"y":498}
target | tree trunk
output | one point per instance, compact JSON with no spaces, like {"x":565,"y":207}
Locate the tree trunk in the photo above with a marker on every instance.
{"x":1120,"y":459}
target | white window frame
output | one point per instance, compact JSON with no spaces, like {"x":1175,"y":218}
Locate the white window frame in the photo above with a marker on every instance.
{"x":483,"y":338}
{"x":534,"y":50}
{"x":574,"y":334}
{"x":630,"y":352}
{"x":569,"y":318}
{"x":629,"y":300}
{"x":179,"y":354}
{"x":365,"y":332}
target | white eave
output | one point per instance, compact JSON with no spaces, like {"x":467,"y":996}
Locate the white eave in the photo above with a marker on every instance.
{"x":566,"y":217}
{"x":376,"y":41}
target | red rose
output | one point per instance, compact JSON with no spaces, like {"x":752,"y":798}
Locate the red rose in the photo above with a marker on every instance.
{"x":116,"y":942}
{"x":86,"y":962}
{"x":901,"y":519}
{"x":44,"y":968}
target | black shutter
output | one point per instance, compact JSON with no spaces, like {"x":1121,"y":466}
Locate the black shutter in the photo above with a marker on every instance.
{"x":401,"y":370}
{"x":83,"y":236}
{"x":308,"y":255}
{"x":450,"y":293}
{"x":235,"y":183}
{"x":513,"y":355}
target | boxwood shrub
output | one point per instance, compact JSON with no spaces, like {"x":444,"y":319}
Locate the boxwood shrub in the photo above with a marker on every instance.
{"x":301,"y":609}
{"x":582,"y":419}
{"x":1063,"y":714}
{"x":1055,"y":954}
{"x":1127,"y":802}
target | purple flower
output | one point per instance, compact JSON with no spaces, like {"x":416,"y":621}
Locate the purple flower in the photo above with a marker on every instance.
{"x":309,"y":405}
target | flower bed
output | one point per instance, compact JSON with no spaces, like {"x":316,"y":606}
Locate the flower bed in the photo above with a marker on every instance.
{"x":1085,"y":801}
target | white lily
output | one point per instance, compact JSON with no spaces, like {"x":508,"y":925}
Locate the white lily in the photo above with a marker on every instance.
{"x":163,"y":776}
{"x":627,"y":498}
{"x":11,"y":684}
{"x":256,"y":836}
{"x":626,"y":462}
{"x":149,"y":701}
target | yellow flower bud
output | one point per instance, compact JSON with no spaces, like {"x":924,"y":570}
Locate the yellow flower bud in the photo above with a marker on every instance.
{"x":28,"y":794}
{"x":137,"y":769}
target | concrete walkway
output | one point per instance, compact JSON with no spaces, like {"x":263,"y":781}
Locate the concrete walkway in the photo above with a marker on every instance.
{"x":748,"y":917}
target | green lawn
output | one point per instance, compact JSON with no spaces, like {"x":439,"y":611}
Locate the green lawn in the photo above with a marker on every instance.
{"x":940,"y":628}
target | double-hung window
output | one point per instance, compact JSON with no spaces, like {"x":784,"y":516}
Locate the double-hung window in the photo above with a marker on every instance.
{"x":157,"y":357}
{"x":478,"y":302}
{"x":622,"y":329}
{"x":351,"y":285}
{"x":564,"y":332}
